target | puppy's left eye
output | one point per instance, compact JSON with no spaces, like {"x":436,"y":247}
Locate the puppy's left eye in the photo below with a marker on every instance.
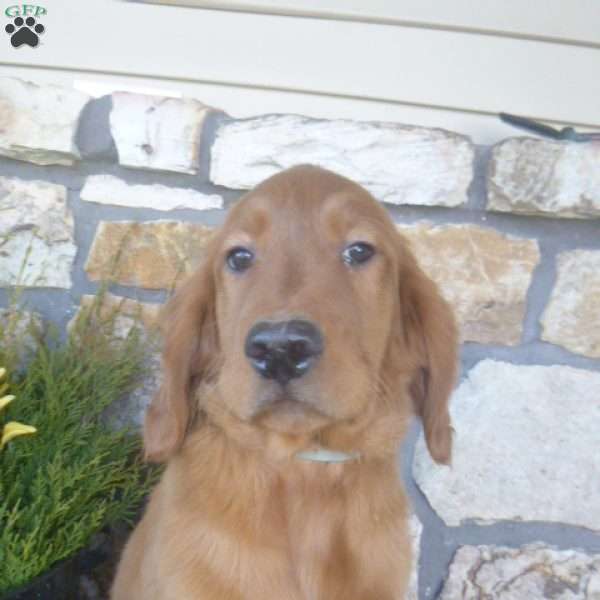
{"x":239,"y":259}
{"x":358,"y":253}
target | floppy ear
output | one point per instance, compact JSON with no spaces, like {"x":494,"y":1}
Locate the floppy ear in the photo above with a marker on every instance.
{"x":190,"y":349}
{"x":430,"y":335}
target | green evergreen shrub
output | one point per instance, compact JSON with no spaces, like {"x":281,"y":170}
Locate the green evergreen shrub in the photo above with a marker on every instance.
{"x":76,"y":474}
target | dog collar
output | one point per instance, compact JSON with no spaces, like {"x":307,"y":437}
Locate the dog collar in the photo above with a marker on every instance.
{"x":323,"y":455}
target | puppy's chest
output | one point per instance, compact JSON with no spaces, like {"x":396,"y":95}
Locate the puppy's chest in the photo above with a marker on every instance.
{"x":298,"y":539}
{"x":313,"y":525}
{"x":317,"y":526}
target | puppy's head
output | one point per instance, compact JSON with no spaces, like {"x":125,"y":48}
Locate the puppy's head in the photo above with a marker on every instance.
{"x":308,"y":311}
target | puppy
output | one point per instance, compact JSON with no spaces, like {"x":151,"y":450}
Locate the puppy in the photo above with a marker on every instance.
{"x":294,"y":358}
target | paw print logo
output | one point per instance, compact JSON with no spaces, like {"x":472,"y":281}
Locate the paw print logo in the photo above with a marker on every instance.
{"x":24,"y":31}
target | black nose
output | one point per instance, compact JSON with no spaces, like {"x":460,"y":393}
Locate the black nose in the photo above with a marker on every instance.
{"x":284,"y":350}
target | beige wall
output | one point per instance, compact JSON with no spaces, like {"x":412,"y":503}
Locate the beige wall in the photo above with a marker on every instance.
{"x":446,"y":64}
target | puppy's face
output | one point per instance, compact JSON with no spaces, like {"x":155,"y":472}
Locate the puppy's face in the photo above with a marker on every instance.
{"x":307,"y":312}
{"x":305,"y":302}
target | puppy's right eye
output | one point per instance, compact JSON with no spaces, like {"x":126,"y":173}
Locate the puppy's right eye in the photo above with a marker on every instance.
{"x":358,"y":253}
{"x":239,"y":259}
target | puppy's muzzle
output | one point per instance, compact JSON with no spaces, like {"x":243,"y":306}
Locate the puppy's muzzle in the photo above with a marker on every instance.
{"x":283,"y":350}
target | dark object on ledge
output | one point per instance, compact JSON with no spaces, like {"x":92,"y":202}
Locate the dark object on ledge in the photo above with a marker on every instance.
{"x":61,"y":582}
{"x":58,"y":583}
{"x":566,"y":134}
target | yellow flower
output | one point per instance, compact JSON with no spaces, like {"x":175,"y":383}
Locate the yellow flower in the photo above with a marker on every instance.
{"x":3,"y":386}
{"x":5,"y":401}
{"x":12,"y":430}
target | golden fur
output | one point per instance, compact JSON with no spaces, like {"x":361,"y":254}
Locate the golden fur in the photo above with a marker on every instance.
{"x":237,"y":516}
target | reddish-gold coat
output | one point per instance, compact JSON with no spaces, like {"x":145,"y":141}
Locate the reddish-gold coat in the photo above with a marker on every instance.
{"x":237,"y":516}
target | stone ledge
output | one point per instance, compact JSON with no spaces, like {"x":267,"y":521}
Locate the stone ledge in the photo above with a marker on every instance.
{"x":38,"y":123}
{"x":37,"y":245}
{"x":572,"y":317}
{"x":523,"y":448}
{"x":151,"y":255}
{"x":155,"y":132}
{"x":541,"y":177}
{"x":532,"y":572}
{"x":483,"y":274}
{"x":396,"y":163}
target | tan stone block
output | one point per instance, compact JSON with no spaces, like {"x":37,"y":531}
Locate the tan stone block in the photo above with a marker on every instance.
{"x":118,"y":316}
{"x":483,"y":274}
{"x":524,"y":448}
{"x":415,"y":530}
{"x":572,"y":317}
{"x":155,"y":132}
{"x":398,"y":164}
{"x":38,"y":123}
{"x":556,"y":179}
{"x":106,"y":189}
{"x":125,"y":312}
{"x":37,"y":244}
{"x":19,"y":334}
{"x":532,"y":572}
{"x":150,"y":255}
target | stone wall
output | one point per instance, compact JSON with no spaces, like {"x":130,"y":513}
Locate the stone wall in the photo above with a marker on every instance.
{"x":511,"y":233}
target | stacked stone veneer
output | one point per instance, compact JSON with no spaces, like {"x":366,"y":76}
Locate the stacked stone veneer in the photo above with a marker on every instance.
{"x":511,"y":233}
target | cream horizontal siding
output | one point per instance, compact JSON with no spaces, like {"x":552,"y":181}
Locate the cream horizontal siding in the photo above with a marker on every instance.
{"x":248,"y":63}
{"x":561,"y":20}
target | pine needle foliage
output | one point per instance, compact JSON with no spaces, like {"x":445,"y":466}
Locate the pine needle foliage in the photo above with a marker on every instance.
{"x":76,"y":475}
